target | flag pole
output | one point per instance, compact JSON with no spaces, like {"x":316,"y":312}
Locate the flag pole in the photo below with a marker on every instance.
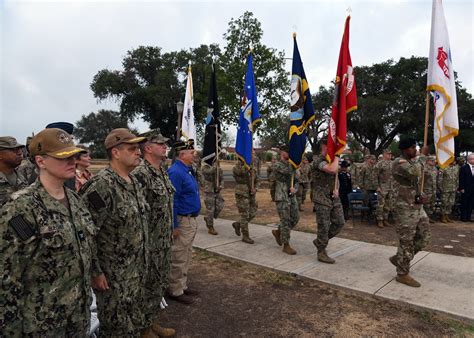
{"x":252,"y":183}
{"x":425,"y":137}
{"x":217,"y":159}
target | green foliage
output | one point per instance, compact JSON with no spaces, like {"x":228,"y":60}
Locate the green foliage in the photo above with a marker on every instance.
{"x":271,"y":80}
{"x":93,"y":128}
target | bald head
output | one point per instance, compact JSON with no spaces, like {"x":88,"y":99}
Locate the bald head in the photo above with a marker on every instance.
{"x":470,"y":159}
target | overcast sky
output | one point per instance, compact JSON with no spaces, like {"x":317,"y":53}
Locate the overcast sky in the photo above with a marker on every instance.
{"x":50,"y":51}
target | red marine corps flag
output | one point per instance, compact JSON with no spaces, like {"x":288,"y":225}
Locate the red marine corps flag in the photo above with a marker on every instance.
{"x":345,"y":99}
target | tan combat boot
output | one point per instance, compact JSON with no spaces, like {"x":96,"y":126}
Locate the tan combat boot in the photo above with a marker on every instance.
{"x":236,"y":226}
{"x":407,"y":280}
{"x":448,"y":217}
{"x":386,"y":223}
{"x":148,"y":333}
{"x":163,"y":331}
{"x":323,"y":257}
{"x":444,"y":219}
{"x":380,"y":223}
{"x":211,"y":230}
{"x":288,"y":249}
{"x":246,"y":236}
{"x":276,"y":234}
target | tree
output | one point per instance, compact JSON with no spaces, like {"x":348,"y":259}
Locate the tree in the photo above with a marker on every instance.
{"x":148,"y":86}
{"x":390,"y":101}
{"x":93,"y":128}
{"x":464,"y":142}
{"x":271,"y":80}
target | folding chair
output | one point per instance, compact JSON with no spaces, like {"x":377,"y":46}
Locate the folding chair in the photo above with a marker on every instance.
{"x":357,"y":203}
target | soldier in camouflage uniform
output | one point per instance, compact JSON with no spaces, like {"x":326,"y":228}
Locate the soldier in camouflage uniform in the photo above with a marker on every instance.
{"x":11,"y":155}
{"x":198,"y":169}
{"x":271,"y":178}
{"x":412,"y":224}
{"x":329,"y":213}
{"x":119,"y":210}
{"x":448,"y":182}
{"x":46,"y":249}
{"x":159,"y":193}
{"x":384,"y":188}
{"x":286,"y":203}
{"x":212,"y":194}
{"x":245,"y":193}
{"x":368,"y":179}
{"x":429,"y":189}
{"x":27,"y":168}
{"x":303,"y":173}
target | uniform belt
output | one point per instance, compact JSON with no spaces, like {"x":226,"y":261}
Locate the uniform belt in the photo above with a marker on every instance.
{"x":189,"y":215}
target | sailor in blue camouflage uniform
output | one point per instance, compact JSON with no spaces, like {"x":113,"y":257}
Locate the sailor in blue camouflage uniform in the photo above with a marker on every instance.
{"x":46,"y":249}
{"x":11,"y":154}
{"x":119,"y":210}
{"x":159,"y":193}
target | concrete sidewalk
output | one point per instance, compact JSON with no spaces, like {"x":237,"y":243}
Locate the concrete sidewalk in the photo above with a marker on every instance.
{"x":447,"y":282}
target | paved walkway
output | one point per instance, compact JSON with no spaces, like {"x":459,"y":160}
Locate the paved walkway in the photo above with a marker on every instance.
{"x":447,"y":282}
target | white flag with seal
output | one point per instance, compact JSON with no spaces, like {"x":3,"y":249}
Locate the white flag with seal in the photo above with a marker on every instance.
{"x":441,"y":82}
{"x":188,"y":128}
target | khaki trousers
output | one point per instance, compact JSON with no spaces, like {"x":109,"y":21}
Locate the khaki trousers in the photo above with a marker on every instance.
{"x":181,"y":254}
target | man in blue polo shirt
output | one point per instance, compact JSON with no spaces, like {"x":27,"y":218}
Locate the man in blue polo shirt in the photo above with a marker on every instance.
{"x":186,"y":207}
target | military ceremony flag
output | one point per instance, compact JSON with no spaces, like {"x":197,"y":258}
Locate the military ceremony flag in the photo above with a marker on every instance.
{"x":302,"y":112}
{"x":441,"y":82}
{"x":212,"y":136}
{"x":188,"y":128}
{"x":249,"y":116}
{"x":345,"y":99}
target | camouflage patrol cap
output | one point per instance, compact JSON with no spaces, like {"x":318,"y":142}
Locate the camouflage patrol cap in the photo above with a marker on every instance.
{"x":431,"y":158}
{"x":155,"y":136}
{"x":387,"y":151}
{"x":8,"y":142}
{"x":53,"y":142}
{"x":121,"y":135}
{"x":370,"y":157}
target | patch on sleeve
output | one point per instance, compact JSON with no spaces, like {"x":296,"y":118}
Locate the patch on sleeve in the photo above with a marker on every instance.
{"x":95,"y":200}
{"x":23,"y":229}
{"x":141,"y":180}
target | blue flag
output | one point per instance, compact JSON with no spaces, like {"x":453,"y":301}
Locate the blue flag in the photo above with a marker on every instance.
{"x":302,"y":112}
{"x":249,"y":116}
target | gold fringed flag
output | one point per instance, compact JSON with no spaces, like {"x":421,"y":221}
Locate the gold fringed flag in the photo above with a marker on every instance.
{"x":441,"y":82}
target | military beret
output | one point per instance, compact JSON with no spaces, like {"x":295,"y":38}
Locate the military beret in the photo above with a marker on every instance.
{"x":345,"y":164}
{"x":8,"y":142}
{"x":53,"y":142}
{"x":121,"y":135}
{"x":155,"y":136}
{"x":184,"y":145}
{"x":66,"y":126}
{"x":406,"y":143}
